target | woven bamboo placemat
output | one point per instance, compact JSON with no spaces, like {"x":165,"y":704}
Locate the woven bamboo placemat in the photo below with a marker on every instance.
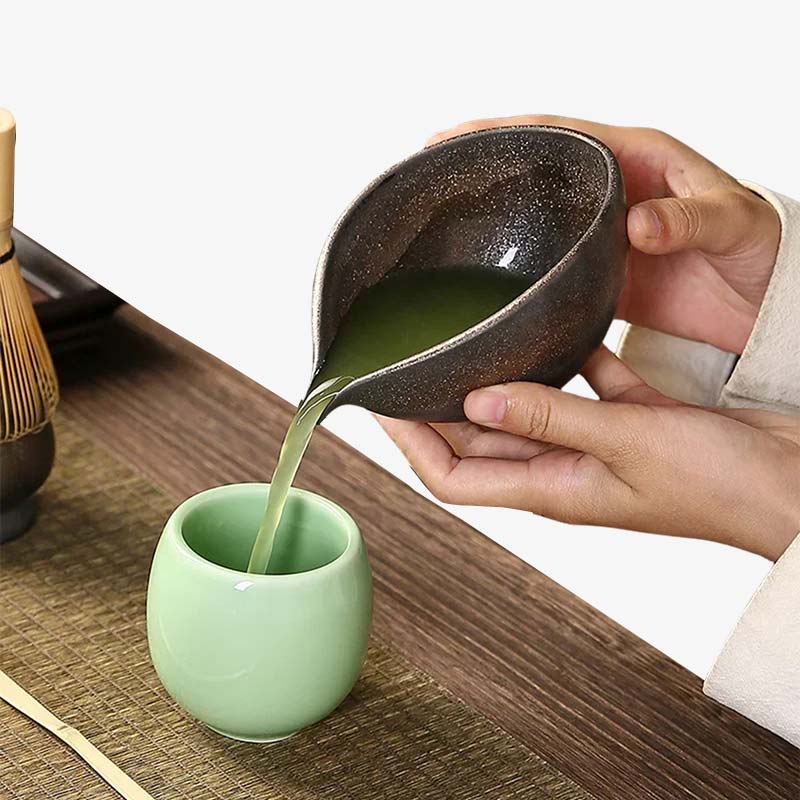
{"x":72,"y":632}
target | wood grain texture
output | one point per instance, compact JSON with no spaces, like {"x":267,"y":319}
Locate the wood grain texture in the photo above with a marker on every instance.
{"x":602,"y":706}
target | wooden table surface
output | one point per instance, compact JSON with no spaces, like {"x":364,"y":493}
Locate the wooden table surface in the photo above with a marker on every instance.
{"x":605,"y":708}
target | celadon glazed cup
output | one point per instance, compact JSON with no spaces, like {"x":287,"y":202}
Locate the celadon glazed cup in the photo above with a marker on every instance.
{"x":258,"y":657}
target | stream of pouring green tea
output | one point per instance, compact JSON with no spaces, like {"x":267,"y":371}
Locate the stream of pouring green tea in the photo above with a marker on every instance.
{"x":405,"y":313}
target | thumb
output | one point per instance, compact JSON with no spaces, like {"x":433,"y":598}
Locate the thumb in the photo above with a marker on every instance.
{"x":550,"y":415}
{"x":723,"y":221}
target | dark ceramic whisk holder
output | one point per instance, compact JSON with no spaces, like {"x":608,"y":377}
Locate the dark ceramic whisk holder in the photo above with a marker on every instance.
{"x":547,"y":203}
{"x":25,"y":464}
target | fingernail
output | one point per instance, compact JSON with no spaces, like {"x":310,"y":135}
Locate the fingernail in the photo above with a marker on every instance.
{"x":645,"y":222}
{"x":485,"y":406}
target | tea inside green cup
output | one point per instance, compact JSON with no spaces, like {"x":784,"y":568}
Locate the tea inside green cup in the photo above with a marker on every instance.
{"x":223,"y":533}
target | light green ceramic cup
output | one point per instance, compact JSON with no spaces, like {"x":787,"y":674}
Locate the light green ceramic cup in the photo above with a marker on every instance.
{"x":258,"y":657}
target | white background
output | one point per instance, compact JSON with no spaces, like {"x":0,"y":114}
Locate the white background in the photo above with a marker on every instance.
{"x":192,"y":157}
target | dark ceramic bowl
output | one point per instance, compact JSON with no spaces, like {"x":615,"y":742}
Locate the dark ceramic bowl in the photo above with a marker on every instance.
{"x":25,"y":464}
{"x":545,"y":202}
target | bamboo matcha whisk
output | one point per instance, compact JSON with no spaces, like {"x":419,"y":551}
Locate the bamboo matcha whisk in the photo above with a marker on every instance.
{"x":28,"y":384}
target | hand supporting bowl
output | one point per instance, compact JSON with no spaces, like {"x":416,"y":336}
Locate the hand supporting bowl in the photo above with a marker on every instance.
{"x":547,"y":203}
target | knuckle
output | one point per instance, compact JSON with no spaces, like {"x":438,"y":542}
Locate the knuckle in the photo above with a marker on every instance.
{"x":535,"y":417}
{"x":657,"y":136}
{"x":752,"y":219}
{"x":745,"y":216}
{"x":664,"y":142}
{"x":744,"y":205}
{"x":685,"y":217}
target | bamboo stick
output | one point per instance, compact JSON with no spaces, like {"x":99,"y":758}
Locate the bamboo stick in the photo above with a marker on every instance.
{"x":16,"y":696}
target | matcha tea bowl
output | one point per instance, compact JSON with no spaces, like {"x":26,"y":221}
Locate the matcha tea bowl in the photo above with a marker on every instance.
{"x":541,"y":204}
{"x":258,"y":657}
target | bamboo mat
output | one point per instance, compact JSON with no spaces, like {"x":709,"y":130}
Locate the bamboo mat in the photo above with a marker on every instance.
{"x":72,"y":632}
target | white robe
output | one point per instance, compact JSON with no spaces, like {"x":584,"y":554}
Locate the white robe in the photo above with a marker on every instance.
{"x":758,"y":671}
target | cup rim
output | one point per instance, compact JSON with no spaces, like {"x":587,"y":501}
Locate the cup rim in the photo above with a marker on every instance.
{"x":174,"y":530}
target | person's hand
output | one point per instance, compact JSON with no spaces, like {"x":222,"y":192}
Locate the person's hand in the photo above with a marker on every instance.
{"x":633,"y":459}
{"x":703,"y":246}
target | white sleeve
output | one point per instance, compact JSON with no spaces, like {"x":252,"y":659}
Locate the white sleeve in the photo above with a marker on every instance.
{"x":758,"y":671}
{"x":768,"y":373}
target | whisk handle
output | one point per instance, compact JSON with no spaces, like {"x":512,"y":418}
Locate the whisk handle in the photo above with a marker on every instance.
{"x":8,"y":131}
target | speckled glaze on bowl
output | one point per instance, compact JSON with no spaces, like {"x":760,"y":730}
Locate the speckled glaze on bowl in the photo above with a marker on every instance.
{"x":542,"y":201}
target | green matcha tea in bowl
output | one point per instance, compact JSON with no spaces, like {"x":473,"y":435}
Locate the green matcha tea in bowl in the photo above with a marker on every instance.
{"x":493,"y":257}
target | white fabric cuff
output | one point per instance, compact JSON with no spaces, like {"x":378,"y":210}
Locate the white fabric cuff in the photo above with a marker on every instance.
{"x":768,"y":373}
{"x":691,"y":372}
{"x":758,"y":671}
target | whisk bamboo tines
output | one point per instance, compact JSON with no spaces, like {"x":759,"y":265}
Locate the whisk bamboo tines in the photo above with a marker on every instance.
{"x":28,"y":384}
